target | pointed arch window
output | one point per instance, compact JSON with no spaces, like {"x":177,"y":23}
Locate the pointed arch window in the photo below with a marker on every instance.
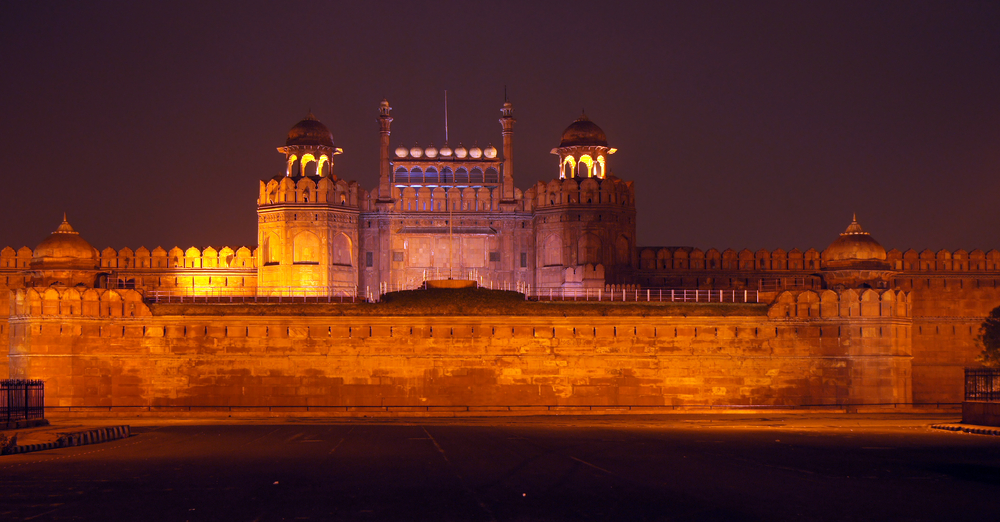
{"x":585,"y":166}
{"x":342,"y":250}
{"x":568,"y":169}
{"x":552,"y":251}
{"x":305,"y":249}
{"x":304,"y":164}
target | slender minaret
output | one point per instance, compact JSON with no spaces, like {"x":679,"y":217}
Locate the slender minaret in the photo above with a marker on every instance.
{"x":507,"y":123}
{"x":384,"y":188}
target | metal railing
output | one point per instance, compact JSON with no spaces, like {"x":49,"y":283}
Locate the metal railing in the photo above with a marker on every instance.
{"x":313,"y":295}
{"x":266,"y":295}
{"x":776,"y":284}
{"x":611,"y":293}
{"x":645,"y":295}
{"x":21,"y":399}
{"x":982,"y":384}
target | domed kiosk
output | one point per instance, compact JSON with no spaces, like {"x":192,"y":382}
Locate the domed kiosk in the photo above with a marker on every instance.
{"x":856,"y":260}
{"x":309,"y":149}
{"x":583,"y":133}
{"x":64,"y":258}
{"x":583,"y":150}
{"x":309,"y":132}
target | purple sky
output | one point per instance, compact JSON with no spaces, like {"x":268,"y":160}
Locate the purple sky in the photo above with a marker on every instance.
{"x":743,"y":124}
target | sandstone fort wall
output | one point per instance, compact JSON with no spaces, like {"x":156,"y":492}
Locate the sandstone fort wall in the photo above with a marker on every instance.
{"x":105,"y":348}
{"x":947,"y":306}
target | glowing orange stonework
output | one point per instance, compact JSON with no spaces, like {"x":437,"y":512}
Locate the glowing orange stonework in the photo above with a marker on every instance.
{"x":854,"y":324}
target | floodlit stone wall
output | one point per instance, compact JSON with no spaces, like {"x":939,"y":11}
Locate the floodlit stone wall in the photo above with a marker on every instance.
{"x":106,"y":348}
{"x":4,"y":334}
{"x":947,"y":307}
{"x":947,"y":314}
{"x":951,"y":294}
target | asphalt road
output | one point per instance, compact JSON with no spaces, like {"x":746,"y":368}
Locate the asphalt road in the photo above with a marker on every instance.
{"x":623,"y":468}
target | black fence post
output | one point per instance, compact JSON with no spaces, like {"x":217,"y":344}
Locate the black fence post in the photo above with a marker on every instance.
{"x":982,"y":384}
{"x":22,"y":399}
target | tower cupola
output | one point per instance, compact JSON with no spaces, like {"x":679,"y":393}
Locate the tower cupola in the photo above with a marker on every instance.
{"x":856,"y":260}
{"x":855,"y":248}
{"x":309,"y":149}
{"x":64,"y":259}
{"x":583,"y":150}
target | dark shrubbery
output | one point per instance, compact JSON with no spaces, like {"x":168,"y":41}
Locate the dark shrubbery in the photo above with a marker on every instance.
{"x":989,"y":340}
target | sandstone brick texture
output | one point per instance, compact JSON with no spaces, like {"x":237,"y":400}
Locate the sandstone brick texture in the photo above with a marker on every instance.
{"x":116,"y":353}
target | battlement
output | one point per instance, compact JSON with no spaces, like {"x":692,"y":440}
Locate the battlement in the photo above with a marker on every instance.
{"x":90,"y":302}
{"x":305,"y":189}
{"x":844,"y":304}
{"x":943,"y":260}
{"x":223,"y":258}
{"x":143,"y":258}
{"x":576,"y":191}
{"x":21,"y":258}
{"x":686,"y":258}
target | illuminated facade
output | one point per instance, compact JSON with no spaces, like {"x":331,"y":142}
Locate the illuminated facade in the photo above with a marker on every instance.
{"x":443,"y":214}
{"x":851,"y":324}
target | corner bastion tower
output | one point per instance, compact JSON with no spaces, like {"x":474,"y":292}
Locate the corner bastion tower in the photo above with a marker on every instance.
{"x":307,"y":220}
{"x":586,"y":217}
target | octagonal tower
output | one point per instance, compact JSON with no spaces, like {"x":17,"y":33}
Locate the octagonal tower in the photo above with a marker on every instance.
{"x":307,"y":220}
{"x":585,"y":219}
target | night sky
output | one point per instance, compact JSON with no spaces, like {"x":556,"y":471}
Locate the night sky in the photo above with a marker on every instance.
{"x":743,"y":124}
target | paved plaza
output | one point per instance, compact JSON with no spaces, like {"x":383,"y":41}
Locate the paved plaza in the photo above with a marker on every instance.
{"x":677,"y":467}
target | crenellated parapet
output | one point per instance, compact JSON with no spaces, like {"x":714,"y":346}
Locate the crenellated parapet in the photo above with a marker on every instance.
{"x":143,"y":258}
{"x":89,"y":302}
{"x":20,"y":258}
{"x":181,"y":272}
{"x":852,"y":259}
{"x":328,"y":191}
{"x":690,"y":258}
{"x":177,"y":258}
{"x":590,"y":192}
{"x":842,"y":304}
{"x":944,"y":261}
